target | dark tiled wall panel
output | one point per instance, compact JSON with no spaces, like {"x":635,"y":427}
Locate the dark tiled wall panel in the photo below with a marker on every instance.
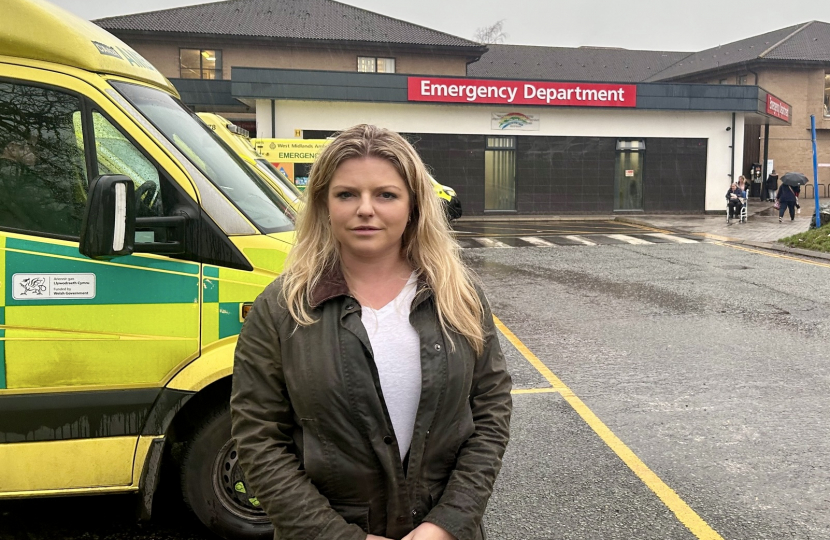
{"x":458,"y":162}
{"x":556,"y":175}
{"x":674,"y":178}
{"x":560,"y":175}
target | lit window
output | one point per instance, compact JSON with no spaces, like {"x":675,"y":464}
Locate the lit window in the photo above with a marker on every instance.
{"x":370,"y":64}
{"x":200,"y":64}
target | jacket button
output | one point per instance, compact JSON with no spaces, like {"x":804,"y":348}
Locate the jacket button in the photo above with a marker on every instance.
{"x":401,"y":520}
{"x":387,"y":439}
{"x":437,"y":347}
{"x":414,"y":513}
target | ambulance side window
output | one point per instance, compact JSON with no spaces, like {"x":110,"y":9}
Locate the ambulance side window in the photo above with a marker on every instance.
{"x":43,"y":177}
{"x":117,"y":155}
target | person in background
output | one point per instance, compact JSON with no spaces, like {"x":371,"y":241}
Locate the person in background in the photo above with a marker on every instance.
{"x":734,"y":201}
{"x":742,"y":185}
{"x":371,"y":399}
{"x":771,"y":185}
{"x":787,"y":197}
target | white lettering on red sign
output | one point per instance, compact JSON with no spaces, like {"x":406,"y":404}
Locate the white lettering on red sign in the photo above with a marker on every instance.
{"x":521,"y":93}
{"x":777,"y":108}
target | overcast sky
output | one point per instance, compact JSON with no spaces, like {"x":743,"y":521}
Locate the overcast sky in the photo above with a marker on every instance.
{"x":668,"y":25}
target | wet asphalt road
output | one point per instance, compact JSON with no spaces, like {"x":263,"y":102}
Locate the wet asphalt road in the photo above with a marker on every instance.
{"x":708,"y":362}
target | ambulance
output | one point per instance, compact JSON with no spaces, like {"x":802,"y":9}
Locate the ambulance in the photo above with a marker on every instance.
{"x":295,"y":157}
{"x":239,"y":141}
{"x":132,"y":244}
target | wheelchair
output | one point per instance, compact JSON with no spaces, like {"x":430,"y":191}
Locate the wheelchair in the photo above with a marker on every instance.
{"x":742,"y":215}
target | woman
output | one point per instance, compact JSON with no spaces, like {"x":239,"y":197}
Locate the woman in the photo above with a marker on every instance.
{"x":370,"y":396}
{"x":787,"y":198}
{"x":734,"y":202}
{"x":742,"y":186}
{"x":772,"y":184}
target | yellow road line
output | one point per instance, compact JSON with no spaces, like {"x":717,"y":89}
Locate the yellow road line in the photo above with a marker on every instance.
{"x":535,"y":391}
{"x":715,"y":237}
{"x":776,"y":255}
{"x":684,"y":513}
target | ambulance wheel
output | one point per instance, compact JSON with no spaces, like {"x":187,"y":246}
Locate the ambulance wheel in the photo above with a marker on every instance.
{"x":213,"y":486}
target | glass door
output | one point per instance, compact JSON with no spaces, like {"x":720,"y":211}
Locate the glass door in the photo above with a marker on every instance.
{"x":500,"y":174}
{"x":628,"y":178}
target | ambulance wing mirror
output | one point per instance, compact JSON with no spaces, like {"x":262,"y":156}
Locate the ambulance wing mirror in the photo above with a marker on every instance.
{"x":108,"y":228}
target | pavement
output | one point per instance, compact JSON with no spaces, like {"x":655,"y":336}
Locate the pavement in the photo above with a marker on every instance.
{"x":761,"y":230}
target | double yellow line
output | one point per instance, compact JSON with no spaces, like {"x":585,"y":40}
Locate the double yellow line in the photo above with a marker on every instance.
{"x":684,"y":513}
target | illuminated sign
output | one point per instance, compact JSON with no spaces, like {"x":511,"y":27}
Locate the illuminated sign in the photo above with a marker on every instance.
{"x":778,"y":108}
{"x":290,"y":150}
{"x":506,"y":92}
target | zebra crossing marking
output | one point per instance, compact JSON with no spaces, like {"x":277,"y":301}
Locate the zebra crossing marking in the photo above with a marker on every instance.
{"x":576,"y":238}
{"x":587,"y":240}
{"x":491,"y":242}
{"x":537,"y":241}
{"x":672,"y":238}
{"x":629,"y":239}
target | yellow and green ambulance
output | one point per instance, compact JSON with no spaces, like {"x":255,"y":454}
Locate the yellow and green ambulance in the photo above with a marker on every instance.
{"x":132,"y":243}
{"x":239,"y":141}
{"x":295,"y":156}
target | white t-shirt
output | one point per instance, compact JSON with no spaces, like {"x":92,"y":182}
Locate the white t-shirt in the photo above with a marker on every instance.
{"x":397,"y":351}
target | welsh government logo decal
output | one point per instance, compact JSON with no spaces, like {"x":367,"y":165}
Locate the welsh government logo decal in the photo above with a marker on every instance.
{"x":33,"y":286}
{"x":53,"y":286}
{"x":515,"y":121}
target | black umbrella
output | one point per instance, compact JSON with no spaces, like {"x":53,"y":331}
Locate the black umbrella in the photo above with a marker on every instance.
{"x":794,"y":179}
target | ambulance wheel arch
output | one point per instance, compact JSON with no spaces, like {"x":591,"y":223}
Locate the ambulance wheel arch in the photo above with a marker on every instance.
{"x":200,"y":457}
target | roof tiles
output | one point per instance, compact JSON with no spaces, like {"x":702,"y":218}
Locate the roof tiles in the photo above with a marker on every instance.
{"x":287,"y":19}
{"x":571,"y":64}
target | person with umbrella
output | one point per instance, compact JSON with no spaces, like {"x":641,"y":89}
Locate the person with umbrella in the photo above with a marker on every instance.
{"x":787,"y":195}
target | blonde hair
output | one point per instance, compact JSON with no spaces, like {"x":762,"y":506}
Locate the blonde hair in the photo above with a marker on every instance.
{"x":426,"y":244}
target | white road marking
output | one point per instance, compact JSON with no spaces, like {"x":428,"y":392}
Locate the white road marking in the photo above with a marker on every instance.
{"x":491,"y":242}
{"x":629,"y":239}
{"x":672,"y":238}
{"x":581,"y":240}
{"x":537,"y":241}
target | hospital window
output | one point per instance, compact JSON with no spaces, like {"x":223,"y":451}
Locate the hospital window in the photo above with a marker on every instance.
{"x":200,"y":63}
{"x":370,"y":64}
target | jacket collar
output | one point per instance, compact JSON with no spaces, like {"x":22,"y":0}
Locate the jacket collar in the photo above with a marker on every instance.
{"x":333,"y":284}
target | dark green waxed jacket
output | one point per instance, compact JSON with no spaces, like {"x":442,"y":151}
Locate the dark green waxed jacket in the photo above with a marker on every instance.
{"x":315,"y":440}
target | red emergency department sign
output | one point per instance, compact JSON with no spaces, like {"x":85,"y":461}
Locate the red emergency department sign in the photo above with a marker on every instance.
{"x":503,"y":92}
{"x":778,"y":108}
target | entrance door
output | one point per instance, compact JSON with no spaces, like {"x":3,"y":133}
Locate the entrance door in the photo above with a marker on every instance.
{"x":500,"y":174}
{"x":628,"y":179}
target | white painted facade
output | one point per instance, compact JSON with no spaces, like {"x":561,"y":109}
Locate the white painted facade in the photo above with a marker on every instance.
{"x":553,"y":121}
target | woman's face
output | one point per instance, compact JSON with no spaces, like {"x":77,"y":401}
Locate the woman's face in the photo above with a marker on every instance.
{"x":369,"y":208}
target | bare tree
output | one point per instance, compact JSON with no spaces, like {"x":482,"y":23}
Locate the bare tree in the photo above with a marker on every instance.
{"x":493,"y":34}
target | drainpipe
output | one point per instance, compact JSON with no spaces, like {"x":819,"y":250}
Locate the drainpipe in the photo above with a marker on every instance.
{"x":766,"y":157}
{"x":273,"y":119}
{"x":732,"y":169}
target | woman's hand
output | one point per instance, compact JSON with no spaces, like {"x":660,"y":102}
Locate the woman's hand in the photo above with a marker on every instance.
{"x":428,"y":531}
{"x":373,"y":537}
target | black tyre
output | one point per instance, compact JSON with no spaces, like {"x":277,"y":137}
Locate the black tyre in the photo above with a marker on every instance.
{"x":213,"y":486}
